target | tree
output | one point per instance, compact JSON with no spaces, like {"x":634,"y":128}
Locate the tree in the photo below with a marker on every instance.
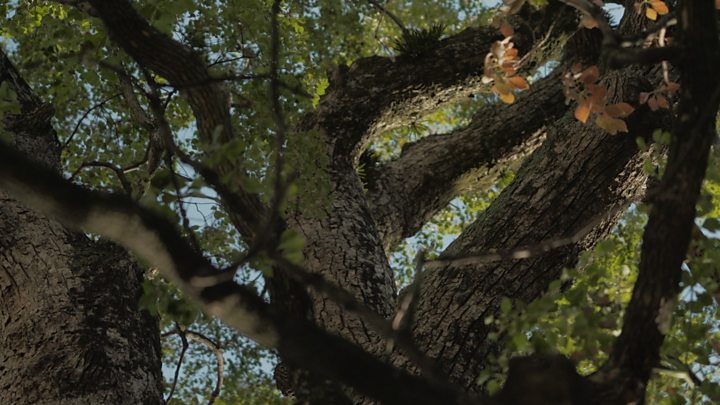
{"x":166,"y":103}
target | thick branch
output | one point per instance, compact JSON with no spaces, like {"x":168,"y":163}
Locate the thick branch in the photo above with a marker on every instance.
{"x":377,"y":93}
{"x":31,"y":126}
{"x":577,"y":174}
{"x":434,"y":170}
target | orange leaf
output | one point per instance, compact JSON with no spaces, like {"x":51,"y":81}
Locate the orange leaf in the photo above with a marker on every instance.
{"x":717,"y":4}
{"x":662,"y":102}
{"x":644,"y":95}
{"x":507,"y":98}
{"x":582,"y":112}
{"x":589,"y":22}
{"x":590,"y":75}
{"x":502,"y":87}
{"x":652,"y":103}
{"x":660,"y":7}
{"x":672,"y":87}
{"x":597,"y":96}
{"x":506,"y":29}
{"x":519,"y":83}
{"x":509,"y":69}
{"x":651,"y":13}
{"x":619,"y":110}
{"x":610,"y":124}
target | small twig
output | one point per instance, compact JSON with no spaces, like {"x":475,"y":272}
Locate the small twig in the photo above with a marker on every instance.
{"x":665,"y":66}
{"x":666,"y":21}
{"x":387,"y":12}
{"x":185,"y":345}
{"x":525,"y":252}
{"x":117,"y":170}
{"x":406,"y":306}
{"x":220,"y":61}
{"x":181,"y":207}
{"x":85,"y":115}
{"x":619,"y":57}
{"x":217,"y":350}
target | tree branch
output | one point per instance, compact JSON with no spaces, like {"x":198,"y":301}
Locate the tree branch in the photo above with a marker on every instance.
{"x":379,"y":93}
{"x":668,"y":231}
{"x":579,"y":173}
{"x":431,"y":172}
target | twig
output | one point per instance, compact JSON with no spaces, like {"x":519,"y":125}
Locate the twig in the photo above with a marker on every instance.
{"x":185,"y":345}
{"x":525,"y":252}
{"x":85,"y":115}
{"x":406,"y":306}
{"x":387,"y":12}
{"x":117,"y":170}
{"x":217,"y":350}
{"x":666,"y":21}
{"x":181,"y":207}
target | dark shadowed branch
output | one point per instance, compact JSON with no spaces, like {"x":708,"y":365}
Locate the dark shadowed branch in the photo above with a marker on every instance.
{"x":154,"y":238}
{"x":668,"y":231}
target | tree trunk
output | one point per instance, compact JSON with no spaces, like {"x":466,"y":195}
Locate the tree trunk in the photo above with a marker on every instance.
{"x":71,"y":330}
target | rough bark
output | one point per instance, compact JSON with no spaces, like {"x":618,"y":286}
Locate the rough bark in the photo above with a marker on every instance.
{"x":70,"y":327}
{"x":433,"y":171}
{"x":377,"y":94}
{"x":576,"y":175}
{"x":371,"y":96}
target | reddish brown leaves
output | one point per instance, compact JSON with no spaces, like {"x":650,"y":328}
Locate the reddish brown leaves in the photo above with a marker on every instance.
{"x":500,"y":69}
{"x":581,"y":86}
{"x":658,"y":98}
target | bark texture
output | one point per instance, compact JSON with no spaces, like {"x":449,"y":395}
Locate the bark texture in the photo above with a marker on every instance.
{"x":576,"y":175}
{"x":70,"y":327}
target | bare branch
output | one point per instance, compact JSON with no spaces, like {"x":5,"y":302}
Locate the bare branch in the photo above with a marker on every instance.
{"x":217,"y":351}
{"x":392,"y":16}
{"x":119,"y":172}
{"x":526,"y":252}
{"x":85,"y":115}
{"x":183,"y":340}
